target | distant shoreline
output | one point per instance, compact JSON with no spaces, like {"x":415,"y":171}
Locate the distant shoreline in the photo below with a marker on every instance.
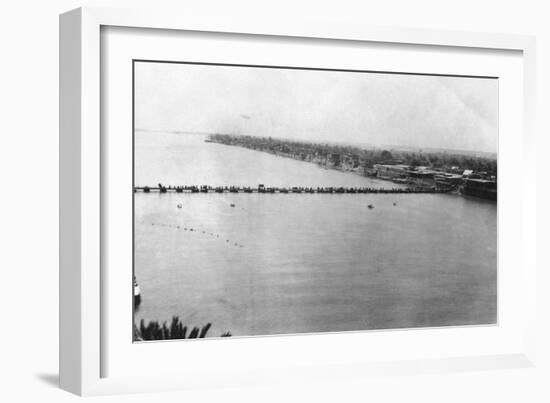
{"x":431,"y":172}
{"x":392,"y":147}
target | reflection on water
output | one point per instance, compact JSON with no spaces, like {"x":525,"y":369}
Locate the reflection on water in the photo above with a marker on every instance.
{"x":289,"y":263}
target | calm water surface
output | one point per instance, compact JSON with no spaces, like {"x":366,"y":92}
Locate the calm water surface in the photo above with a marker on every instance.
{"x":289,"y":263}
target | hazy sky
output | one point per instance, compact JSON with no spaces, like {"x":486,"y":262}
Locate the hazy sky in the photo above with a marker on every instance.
{"x":379,"y":109}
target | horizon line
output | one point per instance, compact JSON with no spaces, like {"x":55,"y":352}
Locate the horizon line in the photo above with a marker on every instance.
{"x":390,"y":146}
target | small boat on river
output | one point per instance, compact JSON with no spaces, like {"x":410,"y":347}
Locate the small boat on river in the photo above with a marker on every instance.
{"x":137,"y":293}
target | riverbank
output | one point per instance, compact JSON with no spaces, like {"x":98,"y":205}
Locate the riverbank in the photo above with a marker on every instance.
{"x":474,"y":176}
{"x":359,"y":159}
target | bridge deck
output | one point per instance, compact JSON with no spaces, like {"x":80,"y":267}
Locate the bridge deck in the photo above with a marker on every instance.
{"x":274,"y":190}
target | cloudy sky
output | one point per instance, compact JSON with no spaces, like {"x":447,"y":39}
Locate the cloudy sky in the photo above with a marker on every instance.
{"x":371,"y":108}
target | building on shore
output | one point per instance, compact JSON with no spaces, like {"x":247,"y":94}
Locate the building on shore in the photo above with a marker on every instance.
{"x":447,"y":181}
{"x":468,"y":182}
{"x":400,"y":173}
{"x":386,"y":171}
{"x":422,"y":177}
{"x":483,"y":188}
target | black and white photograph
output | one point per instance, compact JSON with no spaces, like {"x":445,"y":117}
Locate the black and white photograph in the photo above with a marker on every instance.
{"x":290,"y":201}
{"x":272,"y":200}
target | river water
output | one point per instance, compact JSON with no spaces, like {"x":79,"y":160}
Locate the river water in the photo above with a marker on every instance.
{"x":293,"y":263}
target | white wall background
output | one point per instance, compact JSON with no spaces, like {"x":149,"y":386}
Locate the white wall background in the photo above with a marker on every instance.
{"x":29,"y":201}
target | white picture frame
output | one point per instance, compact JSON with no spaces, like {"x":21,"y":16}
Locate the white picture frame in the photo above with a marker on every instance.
{"x":81,"y":295}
